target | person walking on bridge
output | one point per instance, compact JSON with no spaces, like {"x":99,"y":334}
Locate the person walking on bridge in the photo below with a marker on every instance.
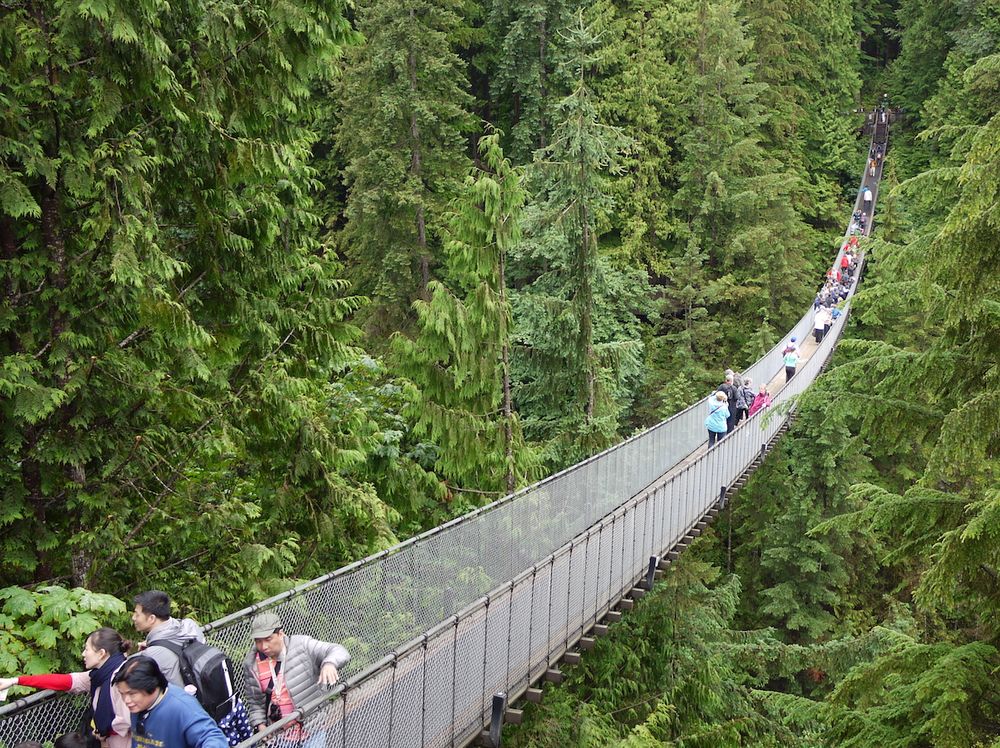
{"x":718,"y":417}
{"x":730,"y":390}
{"x":791,"y":361}
{"x":762,"y":400}
{"x":866,"y":198}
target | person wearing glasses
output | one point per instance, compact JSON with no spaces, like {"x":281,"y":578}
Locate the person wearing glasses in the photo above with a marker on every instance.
{"x":164,"y":715}
{"x":284,"y":671}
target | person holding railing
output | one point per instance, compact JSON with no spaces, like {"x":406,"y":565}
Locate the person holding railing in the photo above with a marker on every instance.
{"x":103,"y":654}
{"x":761,"y":401}
{"x":284,"y":672}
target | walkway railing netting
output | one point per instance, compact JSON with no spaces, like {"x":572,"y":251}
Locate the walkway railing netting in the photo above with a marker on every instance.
{"x":485,"y":603}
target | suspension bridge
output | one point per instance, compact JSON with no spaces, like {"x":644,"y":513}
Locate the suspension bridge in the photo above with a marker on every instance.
{"x":448,"y":629}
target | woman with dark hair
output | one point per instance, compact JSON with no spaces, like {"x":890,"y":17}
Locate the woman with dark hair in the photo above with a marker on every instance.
{"x":162,"y":714}
{"x":103,"y":654}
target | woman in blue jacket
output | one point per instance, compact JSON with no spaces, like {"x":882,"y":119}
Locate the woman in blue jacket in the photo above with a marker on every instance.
{"x":718,"y":415}
{"x":164,"y":716}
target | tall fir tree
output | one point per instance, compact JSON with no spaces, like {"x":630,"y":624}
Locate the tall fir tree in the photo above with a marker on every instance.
{"x":404,"y":106}
{"x":170,"y":327}
{"x":733,"y":202}
{"x":576,"y":326}
{"x":527,"y":70}
{"x":460,"y":358}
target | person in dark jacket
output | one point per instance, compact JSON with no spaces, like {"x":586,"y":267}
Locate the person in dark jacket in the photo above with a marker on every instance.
{"x":284,"y":671}
{"x":163,"y":714}
{"x":731,"y":391}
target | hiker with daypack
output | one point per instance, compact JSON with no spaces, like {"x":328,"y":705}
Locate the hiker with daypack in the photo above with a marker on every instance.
{"x":179,"y":649}
{"x":103,"y":655}
{"x":163,"y":714}
{"x":163,"y":633}
{"x":284,"y":671}
{"x":744,"y":399}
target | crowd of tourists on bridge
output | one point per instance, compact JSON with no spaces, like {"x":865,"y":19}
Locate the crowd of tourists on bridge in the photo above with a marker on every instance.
{"x":177,"y":690}
{"x":735,"y":400}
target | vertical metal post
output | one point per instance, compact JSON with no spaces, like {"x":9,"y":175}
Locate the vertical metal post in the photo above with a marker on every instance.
{"x":569,"y":590}
{"x":583,"y":594}
{"x":496,"y":718}
{"x":651,"y":571}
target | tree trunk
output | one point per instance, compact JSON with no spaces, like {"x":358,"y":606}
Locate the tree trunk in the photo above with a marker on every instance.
{"x":508,"y":411}
{"x":416,"y":165}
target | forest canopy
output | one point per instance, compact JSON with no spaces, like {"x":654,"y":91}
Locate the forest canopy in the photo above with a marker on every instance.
{"x":287,"y":281}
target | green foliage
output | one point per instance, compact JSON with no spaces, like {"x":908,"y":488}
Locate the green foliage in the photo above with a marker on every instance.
{"x":527,"y":74}
{"x":43,"y":630}
{"x":403,"y":111}
{"x":461,"y":359}
{"x":666,"y":675}
{"x":917,"y":694}
{"x":170,"y":329}
{"x":576,"y":327}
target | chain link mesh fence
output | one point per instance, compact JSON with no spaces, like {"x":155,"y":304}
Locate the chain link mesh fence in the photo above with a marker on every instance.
{"x":475,"y":620}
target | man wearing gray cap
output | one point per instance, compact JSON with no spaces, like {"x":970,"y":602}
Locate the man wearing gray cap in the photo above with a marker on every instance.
{"x":285,"y":671}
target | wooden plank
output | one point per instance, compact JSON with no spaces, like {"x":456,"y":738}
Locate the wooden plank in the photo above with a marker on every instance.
{"x":554,"y":675}
{"x":513,"y":716}
{"x":571,"y":658}
{"x":534,"y":695}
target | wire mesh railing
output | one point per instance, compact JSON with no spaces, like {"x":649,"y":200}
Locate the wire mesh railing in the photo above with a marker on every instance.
{"x":494,"y":595}
{"x":435,"y":691}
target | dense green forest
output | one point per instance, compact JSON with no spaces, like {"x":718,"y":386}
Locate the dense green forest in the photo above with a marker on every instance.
{"x":287,"y":281}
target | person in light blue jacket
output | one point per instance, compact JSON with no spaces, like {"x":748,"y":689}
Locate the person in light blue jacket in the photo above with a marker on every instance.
{"x":718,"y":417}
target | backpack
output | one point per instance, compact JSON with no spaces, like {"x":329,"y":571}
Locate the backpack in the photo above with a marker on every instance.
{"x":746,"y":398}
{"x":209,"y":670}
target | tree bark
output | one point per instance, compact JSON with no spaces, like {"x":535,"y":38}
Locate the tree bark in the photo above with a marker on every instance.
{"x":416,"y":165}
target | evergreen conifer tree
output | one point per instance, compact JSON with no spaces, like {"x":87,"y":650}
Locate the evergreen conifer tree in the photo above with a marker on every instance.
{"x":460,"y":359}
{"x":169,"y":326}
{"x":528,"y":71}
{"x":734,"y":198}
{"x":576,"y":328}
{"x":403,"y":109}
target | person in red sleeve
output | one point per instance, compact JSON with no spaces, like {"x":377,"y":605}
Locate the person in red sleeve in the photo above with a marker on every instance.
{"x":103,"y":654}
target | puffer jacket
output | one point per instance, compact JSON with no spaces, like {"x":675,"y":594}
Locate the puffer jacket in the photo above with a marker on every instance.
{"x":301,"y":662}
{"x":172,"y":630}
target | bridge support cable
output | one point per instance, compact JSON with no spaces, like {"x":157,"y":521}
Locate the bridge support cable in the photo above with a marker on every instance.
{"x":430,"y":648}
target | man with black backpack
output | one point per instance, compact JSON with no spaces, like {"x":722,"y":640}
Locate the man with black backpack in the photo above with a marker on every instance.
{"x":152,"y":618}
{"x":179,"y":649}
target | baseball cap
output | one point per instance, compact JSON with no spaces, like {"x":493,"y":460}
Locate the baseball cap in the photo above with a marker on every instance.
{"x":264,"y":624}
